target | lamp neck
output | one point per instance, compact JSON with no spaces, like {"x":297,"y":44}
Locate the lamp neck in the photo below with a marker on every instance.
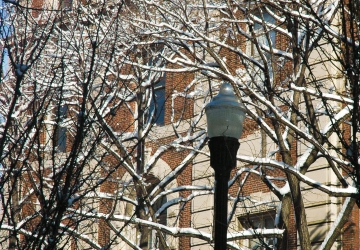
{"x":223,"y":152}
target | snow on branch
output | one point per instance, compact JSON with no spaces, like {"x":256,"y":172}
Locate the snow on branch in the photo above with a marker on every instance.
{"x":179,"y":189}
{"x":180,"y":167}
{"x":332,"y":191}
{"x":279,"y":116}
{"x":178,"y":232}
{"x":182,"y":200}
{"x":331,"y":97}
{"x":256,"y":233}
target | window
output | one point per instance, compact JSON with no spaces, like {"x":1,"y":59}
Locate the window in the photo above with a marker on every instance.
{"x":61,"y":131}
{"x":66,"y":4}
{"x":262,"y":40}
{"x":264,"y":220}
{"x":158,"y":103}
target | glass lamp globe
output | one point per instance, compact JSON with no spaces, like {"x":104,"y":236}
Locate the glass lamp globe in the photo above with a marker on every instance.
{"x":225,"y":114}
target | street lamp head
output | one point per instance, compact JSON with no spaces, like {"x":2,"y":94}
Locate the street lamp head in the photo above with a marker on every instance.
{"x":225,"y":114}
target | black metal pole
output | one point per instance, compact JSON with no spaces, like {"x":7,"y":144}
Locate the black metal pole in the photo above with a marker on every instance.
{"x":220,"y":207}
{"x":222,"y":159}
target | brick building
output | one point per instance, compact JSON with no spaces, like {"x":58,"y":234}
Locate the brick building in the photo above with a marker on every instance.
{"x":252,"y":203}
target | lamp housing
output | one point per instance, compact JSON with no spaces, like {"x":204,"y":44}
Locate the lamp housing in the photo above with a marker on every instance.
{"x":225,"y":114}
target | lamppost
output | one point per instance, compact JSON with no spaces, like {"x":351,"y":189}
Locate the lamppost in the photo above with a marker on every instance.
{"x":225,"y":117}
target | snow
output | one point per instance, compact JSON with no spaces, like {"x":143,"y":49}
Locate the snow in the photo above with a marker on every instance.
{"x":341,"y":114}
{"x":326,"y":96}
{"x":181,"y":200}
{"x":331,"y":190}
{"x":303,"y":158}
{"x":254,"y":233}
{"x":285,"y":189}
{"x":178,"y":189}
{"x":177,"y":231}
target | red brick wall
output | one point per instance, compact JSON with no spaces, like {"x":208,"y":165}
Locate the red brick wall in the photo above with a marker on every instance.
{"x":121,"y":118}
{"x":183,"y":107}
{"x":29,"y":207}
{"x":37,"y":5}
{"x":106,"y":205}
{"x":350,"y":234}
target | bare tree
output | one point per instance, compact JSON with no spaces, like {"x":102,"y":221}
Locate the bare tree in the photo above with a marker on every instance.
{"x":102,"y":106}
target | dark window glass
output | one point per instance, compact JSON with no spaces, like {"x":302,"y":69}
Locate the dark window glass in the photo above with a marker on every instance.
{"x":158,"y":103}
{"x":61,"y":136}
{"x":263,"y":40}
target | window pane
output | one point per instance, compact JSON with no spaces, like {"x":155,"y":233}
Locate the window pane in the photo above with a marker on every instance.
{"x":259,"y":221}
{"x":61,"y":139}
{"x":159,"y":103}
{"x":61,"y":136}
{"x":262,"y":39}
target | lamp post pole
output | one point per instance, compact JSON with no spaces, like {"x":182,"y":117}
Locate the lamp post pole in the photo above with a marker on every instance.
{"x":225,"y":115}
{"x":222,"y":160}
